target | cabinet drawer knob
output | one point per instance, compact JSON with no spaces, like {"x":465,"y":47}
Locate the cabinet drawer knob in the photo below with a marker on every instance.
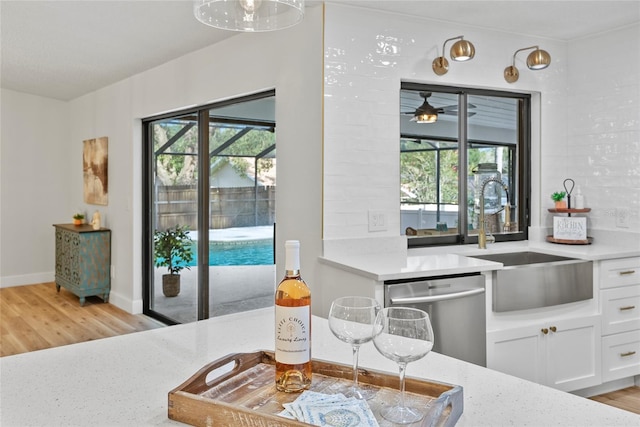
{"x":627,"y":354}
{"x":544,"y":331}
{"x":628,"y":307}
{"x":553,"y":329}
{"x":626,"y":272}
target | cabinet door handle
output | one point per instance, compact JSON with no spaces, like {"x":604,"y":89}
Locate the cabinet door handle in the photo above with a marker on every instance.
{"x":553,"y":329}
{"x":628,"y":307}
{"x":544,"y":331}
{"x":624,"y":273}
{"x":627,"y":354}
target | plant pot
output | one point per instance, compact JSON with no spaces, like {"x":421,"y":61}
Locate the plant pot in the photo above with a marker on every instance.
{"x":77,"y":221}
{"x":562,"y":204}
{"x":170,"y":285}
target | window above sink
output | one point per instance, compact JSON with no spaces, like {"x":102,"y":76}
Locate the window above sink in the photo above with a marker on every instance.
{"x":478,"y":134}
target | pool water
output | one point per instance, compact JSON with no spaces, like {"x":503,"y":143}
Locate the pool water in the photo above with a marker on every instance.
{"x":240,"y":252}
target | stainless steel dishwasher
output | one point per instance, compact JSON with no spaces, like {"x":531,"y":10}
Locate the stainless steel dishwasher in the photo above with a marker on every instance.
{"x":456,"y":306}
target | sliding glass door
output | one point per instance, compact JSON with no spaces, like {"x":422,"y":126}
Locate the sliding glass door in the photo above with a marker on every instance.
{"x":173,"y":193}
{"x":242,"y":181}
{"x":209,"y":183}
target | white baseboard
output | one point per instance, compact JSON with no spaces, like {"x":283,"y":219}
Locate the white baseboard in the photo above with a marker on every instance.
{"x":126,"y":304}
{"x":26,"y":279}
{"x":606,"y":387}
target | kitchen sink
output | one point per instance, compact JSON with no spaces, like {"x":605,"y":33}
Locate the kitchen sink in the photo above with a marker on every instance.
{"x":520,"y":258}
{"x":533,"y":280}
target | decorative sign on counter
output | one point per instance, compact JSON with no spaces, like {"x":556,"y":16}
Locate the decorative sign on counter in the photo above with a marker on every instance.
{"x":569,"y":228}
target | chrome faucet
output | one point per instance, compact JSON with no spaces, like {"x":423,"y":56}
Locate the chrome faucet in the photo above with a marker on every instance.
{"x":482,"y":234}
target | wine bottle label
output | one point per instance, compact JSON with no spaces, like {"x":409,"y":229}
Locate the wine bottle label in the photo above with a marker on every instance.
{"x":293,"y":334}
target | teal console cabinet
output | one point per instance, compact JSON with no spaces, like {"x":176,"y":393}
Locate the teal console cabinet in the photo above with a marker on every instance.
{"x":83,"y":260}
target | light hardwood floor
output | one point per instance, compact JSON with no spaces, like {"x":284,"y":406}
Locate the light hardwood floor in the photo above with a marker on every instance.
{"x":35,"y":317}
{"x":627,"y":399}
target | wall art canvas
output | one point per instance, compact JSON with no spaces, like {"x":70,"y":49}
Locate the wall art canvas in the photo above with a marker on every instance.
{"x":95,"y":167}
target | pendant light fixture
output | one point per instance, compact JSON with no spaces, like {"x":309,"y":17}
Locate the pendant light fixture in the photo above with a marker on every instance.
{"x":425,"y":113}
{"x":537,"y":60}
{"x":249,"y":15}
{"x":462,"y":50}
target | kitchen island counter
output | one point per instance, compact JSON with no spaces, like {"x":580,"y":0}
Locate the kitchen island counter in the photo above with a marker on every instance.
{"x":125,"y":380}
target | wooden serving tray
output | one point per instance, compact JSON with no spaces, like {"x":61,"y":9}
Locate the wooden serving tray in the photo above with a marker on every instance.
{"x":242,"y":393}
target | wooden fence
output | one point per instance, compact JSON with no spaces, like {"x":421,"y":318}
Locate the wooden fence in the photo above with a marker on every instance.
{"x":229,"y":207}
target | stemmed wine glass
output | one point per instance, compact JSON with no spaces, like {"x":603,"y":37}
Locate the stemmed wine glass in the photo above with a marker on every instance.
{"x":403,"y":335}
{"x":351,"y":320}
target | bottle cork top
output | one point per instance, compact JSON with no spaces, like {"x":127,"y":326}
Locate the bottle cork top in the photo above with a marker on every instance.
{"x":292,"y":255}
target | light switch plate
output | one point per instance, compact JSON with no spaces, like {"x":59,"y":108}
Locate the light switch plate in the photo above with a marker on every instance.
{"x":622,"y":217}
{"x":377,"y":221}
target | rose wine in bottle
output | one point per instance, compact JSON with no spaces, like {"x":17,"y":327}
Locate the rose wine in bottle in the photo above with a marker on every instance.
{"x":293,"y":325}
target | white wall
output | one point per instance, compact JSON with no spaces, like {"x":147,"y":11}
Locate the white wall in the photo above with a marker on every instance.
{"x":35,"y":156}
{"x":368,"y":55}
{"x":245,"y":63}
{"x":604,"y":124}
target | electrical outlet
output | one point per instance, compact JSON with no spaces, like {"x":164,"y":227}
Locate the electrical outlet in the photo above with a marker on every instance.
{"x":377,"y":221}
{"x":622,"y":217}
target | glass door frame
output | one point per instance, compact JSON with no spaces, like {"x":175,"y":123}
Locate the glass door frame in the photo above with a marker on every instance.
{"x":148,"y":157}
{"x":203,"y":199}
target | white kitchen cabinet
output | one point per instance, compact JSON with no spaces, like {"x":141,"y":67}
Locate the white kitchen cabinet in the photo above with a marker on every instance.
{"x":517,"y":351}
{"x":620,"y":304}
{"x":619,"y":272}
{"x":620,"y":355}
{"x":620,"y":309}
{"x":564,"y":353}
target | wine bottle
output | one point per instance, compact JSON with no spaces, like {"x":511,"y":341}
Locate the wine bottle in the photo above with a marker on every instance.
{"x":293,"y":325}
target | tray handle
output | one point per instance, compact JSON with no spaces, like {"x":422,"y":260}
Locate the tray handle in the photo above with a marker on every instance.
{"x":200,"y":381}
{"x":446,"y":409}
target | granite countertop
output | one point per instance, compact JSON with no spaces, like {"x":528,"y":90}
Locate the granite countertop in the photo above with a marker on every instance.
{"x":125,"y":380}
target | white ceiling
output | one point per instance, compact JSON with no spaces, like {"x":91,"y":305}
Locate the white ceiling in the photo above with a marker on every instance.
{"x":64,"y":49}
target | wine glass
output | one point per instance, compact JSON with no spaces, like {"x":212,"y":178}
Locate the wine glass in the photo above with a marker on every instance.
{"x":403,"y":335}
{"x":351,"y":320}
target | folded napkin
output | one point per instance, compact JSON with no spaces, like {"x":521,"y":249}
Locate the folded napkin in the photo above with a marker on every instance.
{"x":332,"y":410}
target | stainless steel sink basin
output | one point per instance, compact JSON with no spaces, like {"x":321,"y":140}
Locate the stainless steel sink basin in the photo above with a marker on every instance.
{"x":532,"y":280}
{"x":522,"y":258}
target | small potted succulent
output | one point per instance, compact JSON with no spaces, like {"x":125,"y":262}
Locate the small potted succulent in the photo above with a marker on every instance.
{"x":558,"y":198}
{"x":172,"y":249}
{"x":78,"y":219}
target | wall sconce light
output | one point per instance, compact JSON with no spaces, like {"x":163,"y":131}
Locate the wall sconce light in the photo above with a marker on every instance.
{"x":249,"y":15}
{"x":537,"y":60}
{"x":462,"y":50}
{"x":425,"y":113}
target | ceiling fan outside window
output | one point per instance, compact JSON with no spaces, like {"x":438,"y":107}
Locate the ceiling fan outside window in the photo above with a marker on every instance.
{"x":426,"y":113}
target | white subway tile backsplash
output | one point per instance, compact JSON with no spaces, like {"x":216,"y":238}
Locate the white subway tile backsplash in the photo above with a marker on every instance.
{"x":604,"y":116}
{"x":589,"y":112}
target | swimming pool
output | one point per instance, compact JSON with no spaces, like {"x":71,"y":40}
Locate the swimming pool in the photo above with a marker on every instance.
{"x":239,"y":252}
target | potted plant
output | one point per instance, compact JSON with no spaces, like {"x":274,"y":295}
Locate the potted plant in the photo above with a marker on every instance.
{"x":172,"y":249}
{"x":78,"y":219}
{"x":558,"y":198}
